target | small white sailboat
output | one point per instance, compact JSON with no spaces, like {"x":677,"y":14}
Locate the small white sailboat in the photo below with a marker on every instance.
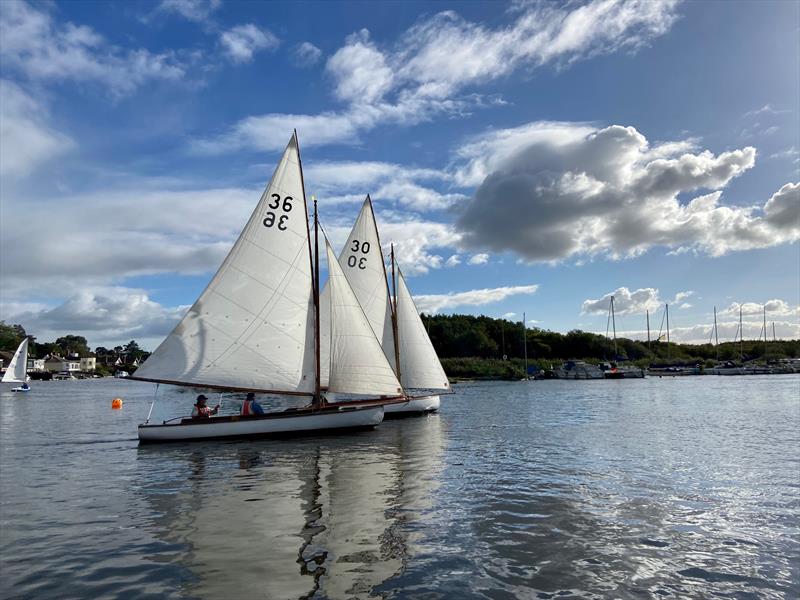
{"x":255,"y":328}
{"x":396,"y":323}
{"x":17,"y":371}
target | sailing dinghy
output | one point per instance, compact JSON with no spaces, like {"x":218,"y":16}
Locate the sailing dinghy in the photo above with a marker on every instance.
{"x":17,"y":371}
{"x":255,"y":328}
{"x":396,"y":324}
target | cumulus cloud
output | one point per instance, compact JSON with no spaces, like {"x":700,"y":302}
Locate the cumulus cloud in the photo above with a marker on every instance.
{"x":416,"y":242}
{"x":478,"y":259}
{"x":103,"y":315}
{"x":306,"y":54}
{"x":40,"y":48}
{"x":453,"y":261}
{"x":242,"y":41}
{"x":427,"y":70}
{"x":26,"y":140}
{"x":625,"y":302}
{"x":774,"y":307}
{"x":549,"y":196}
{"x":791,"y":153}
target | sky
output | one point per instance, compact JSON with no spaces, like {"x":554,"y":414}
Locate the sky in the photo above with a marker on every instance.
{"x":531,"y":158}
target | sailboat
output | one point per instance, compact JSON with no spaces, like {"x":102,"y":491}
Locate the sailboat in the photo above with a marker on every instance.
{"x":255,"y":328}
{"x":17,"y":371}
{"x":394,"y":321}
{"x":613,"y":370}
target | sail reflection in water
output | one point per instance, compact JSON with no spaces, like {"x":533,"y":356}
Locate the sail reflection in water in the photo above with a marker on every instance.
{"x":334,"y":516}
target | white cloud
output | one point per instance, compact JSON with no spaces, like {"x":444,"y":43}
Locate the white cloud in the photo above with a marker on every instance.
{"x":433,"y":303}
{"x":453,"y":261}
{"x":610,"y":193}
{"x":26,"y":140}
{"x":625,"y":302}
{"x":426,"y":71}
{"x":767,"y":109}
{"x":360,"y":70}
{"x":416,"y":242}
{"x":681,"y":296}
{"x":242,"y":41}
{"x":108,"y":235}
{"x":43,"y":49}
{"x":478,"y":259}
{"x":509,"y":315}
{"x":306,"y":54}
{"x":791,"y":153}
{"x":198,"y":11}
{"x":775,"y":307}
{"x":103,"y":315}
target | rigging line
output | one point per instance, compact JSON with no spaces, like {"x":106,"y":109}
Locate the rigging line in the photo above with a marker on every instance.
{"x":152,"y":404}
{"x":661,"y":327}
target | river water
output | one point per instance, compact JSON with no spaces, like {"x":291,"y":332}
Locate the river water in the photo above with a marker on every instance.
{"x":655,"y":488}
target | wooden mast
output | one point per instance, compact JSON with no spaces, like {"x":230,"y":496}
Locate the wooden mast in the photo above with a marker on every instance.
{"x":317,"y":403}
{"x":394,"y":318}
{"x":314,"y":262}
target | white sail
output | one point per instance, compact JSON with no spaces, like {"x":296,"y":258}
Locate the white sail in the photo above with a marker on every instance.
{"x":253,"y":326}
{"x":17,"y":371}
{"x":419,"y":364}
{"x":357,"y":362}
{"x":362,"y":262}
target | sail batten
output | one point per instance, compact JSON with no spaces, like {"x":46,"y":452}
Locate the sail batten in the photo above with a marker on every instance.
{"x":252,"y":327}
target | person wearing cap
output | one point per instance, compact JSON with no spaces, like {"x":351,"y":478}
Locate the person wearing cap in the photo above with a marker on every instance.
{"x":250,"y":406}
{"x":201,"y":411}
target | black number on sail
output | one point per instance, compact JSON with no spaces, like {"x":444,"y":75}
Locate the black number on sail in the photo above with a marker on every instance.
{"x":353,"y":261}
{"x":286,"y":207}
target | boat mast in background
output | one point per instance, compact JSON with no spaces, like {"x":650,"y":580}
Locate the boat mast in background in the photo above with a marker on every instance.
{"x":774,"y":339}
{"x":525,"y":342}
{"x":765,"y":330}
{"x":716,"y":333}
{"x":317,"y":402}
{"x":741,"y":336}
{"x":666,"y":308}
{"x":614,"y":327}
{"x":647,"y":312}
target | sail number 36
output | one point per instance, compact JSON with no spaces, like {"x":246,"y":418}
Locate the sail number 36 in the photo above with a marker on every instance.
{"x":360,"y":261}
{"x":277,"y":205}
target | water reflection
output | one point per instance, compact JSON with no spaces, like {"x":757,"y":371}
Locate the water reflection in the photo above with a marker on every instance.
{"x":333,"y":517}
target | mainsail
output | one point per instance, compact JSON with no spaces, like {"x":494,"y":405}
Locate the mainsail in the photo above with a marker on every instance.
{"x":357,"y":362}
{"x":362,"y":262}
{"x":253,"y":326}
{"x":17,"y":371}
{"x":419,"y":364}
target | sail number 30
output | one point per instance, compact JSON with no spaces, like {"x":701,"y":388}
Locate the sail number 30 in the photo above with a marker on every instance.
{"x":360,"y":261}
{"x":285,"y":206}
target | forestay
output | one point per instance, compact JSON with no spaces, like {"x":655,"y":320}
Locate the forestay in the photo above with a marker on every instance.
{"x":362,"y":262}
{"x":357,"y":362}
{"x":253,"y":326}
{"x":419,"y":364}
{"x":17,"y":371}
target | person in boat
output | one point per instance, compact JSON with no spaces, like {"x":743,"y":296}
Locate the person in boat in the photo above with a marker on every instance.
{"x":250,"y":406}
{"x":25,"y":386}
{"x":201,"y":410}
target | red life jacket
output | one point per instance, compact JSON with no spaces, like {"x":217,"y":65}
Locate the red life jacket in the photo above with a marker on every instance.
{"x":246,"y":408}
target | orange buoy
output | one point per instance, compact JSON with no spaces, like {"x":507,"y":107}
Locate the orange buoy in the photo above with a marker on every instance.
{"x":116,"y":403}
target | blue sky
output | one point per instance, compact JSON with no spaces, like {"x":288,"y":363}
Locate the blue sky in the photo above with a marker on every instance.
{"x":523,"y":157}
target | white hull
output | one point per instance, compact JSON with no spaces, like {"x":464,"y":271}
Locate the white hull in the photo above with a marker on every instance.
{"x":276,"y":424}
{"x":424,"y":404}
